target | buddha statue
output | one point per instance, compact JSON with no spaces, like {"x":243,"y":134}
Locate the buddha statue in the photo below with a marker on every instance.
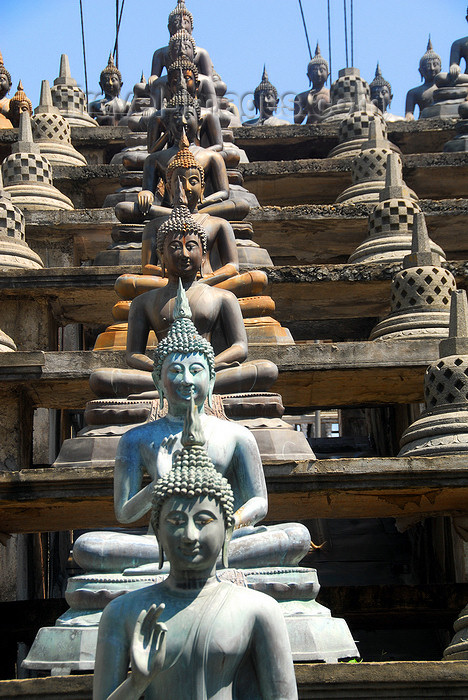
{"x":141,"y":102}
{"x":180,"y":23}
{"x":111,"y":108}
{"x":182,"y":245}
{"x":193,"y":635}
{"x":311,"y":104}
{"x":185,"y":362}
{"x":381,"y":95}
{"x":183,"y":115}
{"x":19,"y":103}
{"x":5,"y":87}
{"x":266,"y":103}
{"x":422,"y":96}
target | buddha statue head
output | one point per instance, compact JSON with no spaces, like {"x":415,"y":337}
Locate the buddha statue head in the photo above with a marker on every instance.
{"x":181,"y":44}
{"x":111,"y":80}
{"x":19,"y":103}
{"x":183,"y":67}
{"x":317,"y":70}
{"x":184,"y":364}
{"x":182,"y":114}
{"x":265,"y":97}
{"x":180,"y":18}
{"x":5,"y":80}
{"x":193,"y":495}
{"x":430,"y":64}
{"x":381,"y":91}
{"x":184,"y":168}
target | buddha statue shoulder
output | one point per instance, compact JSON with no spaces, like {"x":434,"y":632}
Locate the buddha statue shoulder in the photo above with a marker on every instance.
{"x":266,"y":103}
{"x":5,"y":87}
{"x":185,"y":369}
{"x":458,"y":53}
{"x":108,"y":110}
{"x":174,"y":633}
{"x":311,"y":104}
{"x":422,"y":96}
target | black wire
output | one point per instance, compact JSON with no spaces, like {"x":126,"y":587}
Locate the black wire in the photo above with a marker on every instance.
{"x":118,"y":30}
{"x":84,"y":51}
{"x":329,"y":42}
{"x":346,"y":32}
{"x":352,"y":32}
{"x":305,"y":29}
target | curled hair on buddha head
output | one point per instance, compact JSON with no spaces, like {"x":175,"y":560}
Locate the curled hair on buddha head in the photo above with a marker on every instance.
{"x":182,"y":339}
{"x":181,"y":64}
{"x":318,"y":59}
{"x":263,"y":87}
{"x":193,"y":475}
{"x":179,"y":10}
{"x":181,"y":35}
{"x":110,"y":69}
{"x":428,"y":56}
{"x":180,"y":222}
{"x":183,"y":98}
{"x":185,"y":159}
{"x":379,"y":80}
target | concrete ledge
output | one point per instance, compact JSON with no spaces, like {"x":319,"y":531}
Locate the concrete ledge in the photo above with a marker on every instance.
{"x":416,"y":680}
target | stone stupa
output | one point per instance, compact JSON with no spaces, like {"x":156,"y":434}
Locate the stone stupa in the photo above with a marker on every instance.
{"x":442,"y":428}
{"x":27,"y":175}
{"x":68,"y":98}
{"x":369,"y":167}
{"x":343,"y":93}
{"x":354,"y":130}
{"x":421,"y":292}
{"x":14,"y":251}
{"x":52,"y":132}
{"x":390,"y":227}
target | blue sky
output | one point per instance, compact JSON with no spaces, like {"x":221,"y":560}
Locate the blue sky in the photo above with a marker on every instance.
{"x":240,"y":36}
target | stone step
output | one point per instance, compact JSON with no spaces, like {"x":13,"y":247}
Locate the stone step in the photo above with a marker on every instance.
{"x":66,"y":498}
{"x":301,"y":234}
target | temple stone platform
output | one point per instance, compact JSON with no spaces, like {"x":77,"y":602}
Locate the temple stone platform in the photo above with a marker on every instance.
{"x":60,"y":498}
{"x":362,"y":681}
{"x":300,"y":234}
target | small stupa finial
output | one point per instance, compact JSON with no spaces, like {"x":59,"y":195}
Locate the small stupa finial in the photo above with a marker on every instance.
{"x":421,"y":251}
{"x":457,"y":341}
{"x":46,"y":106}
{"x":25,"y":143}
{"x":65,"y":77}
{"x":393,"y":177}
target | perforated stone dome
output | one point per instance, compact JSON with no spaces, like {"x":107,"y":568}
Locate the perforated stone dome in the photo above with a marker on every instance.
{"x":446,"y":383}
{"x":422,"y":286}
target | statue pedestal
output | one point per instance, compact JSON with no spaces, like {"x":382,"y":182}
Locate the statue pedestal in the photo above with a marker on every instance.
{"x":460,"y":142}
{"x":446,"y":103}
{"x":313,"y":633}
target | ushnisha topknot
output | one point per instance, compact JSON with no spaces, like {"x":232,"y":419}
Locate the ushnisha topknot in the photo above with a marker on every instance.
{"x":193,"y":474}
{"x":110,"y":69}
{"x":180,"y":222}
{"x":429,"y":55}
{"x":318,"y":58}
{"x":184,"y":158}
{"x":379,"y":80}
{"x":182,"y":338}
{"x":180,"y":10}
{"x":264,"y":86}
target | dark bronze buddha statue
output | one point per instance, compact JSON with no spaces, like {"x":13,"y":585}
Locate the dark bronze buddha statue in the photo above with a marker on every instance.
{"x":311,"y":104}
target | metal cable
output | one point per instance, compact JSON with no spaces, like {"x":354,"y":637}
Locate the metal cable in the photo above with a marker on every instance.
{"x":346,"y":31}
{"x":115,"y":52}
{"x":329,"y":42}
{"x":84,"y":52}
{"x":305,"y":29}
{"x":352,"y":32}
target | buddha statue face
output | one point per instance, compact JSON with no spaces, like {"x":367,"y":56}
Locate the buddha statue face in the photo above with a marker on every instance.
{"x":180,"y":21}
{"x":110,"y":85}
{"x":17,"y":107}
{"x":317,"y":74}
{"x":5,"y":85}
{"x":191,"y":82}
{"x":430,"y":67}
{"x":381,"y":97}
{"x":183,"y":255}
{"x":183,"y":118}
{"x":184,"y":376}
{"x":181,"y":47}
{"x":191,"y":181}
{"x":191,"y":532}
{"x":268,"y":103}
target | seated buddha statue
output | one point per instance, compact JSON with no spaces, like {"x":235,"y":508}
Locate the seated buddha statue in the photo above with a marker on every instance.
{"x":266,"y":103}
{"x":111,"y":108}
{"x":423,"y":95}
{"x":185,"y":369}
{"x":311,"y":104}
{"x":381,"y":95}
{"x":458,"y":52}
{"x":5,"y":87}
{"x":182,"y":246}
{"x":193,"y":635}
{"x":180,"y":20}
{"x":183,"y":116}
